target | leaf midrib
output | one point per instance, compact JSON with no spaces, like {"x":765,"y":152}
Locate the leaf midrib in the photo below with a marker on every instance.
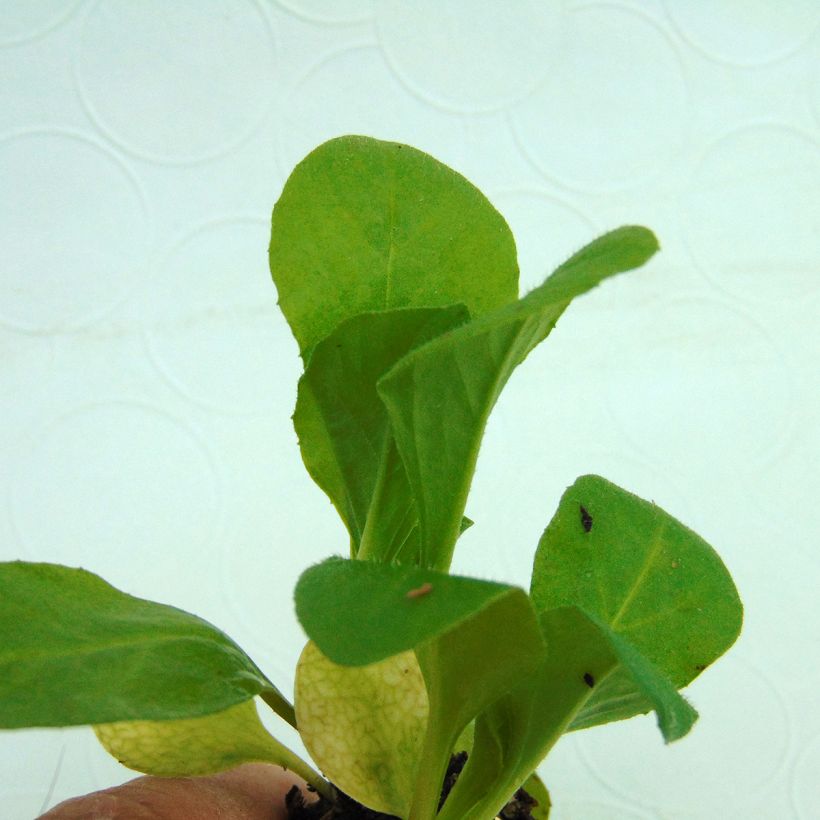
{"x":37,"y":655}
{"x":651,"y":557}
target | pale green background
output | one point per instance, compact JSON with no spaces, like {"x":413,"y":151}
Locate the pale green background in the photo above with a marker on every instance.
{"x":146,"y":378}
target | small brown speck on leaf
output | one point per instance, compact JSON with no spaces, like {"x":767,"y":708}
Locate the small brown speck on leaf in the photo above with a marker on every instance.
{"x":425,"y":589}
{"x":586,"y":519}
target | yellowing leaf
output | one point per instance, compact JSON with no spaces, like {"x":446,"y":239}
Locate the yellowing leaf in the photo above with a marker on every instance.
{"x":198,"y":746}
{"x":364,"y":725}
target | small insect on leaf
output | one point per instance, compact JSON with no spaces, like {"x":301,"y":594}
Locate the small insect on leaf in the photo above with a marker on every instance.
{"x":589,"y":680}
{"x":419,"y":592}
{"x":586,"y":519}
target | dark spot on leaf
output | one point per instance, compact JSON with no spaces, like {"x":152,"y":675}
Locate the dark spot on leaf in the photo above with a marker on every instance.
{"x":589,"y":680}
{"x":699,"y":667}
{"x":586,"y":519}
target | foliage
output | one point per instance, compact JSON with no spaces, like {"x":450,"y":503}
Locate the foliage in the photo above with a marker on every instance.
{"x":399,"y":280}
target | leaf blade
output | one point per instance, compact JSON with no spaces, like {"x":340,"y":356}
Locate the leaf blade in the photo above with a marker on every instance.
{"x":343,"y":430}
{"x":78,"y":651}
{"x":192,"y":747}
{"x":439,"y":397}
{"x":366,"y":225}
{"x":364,"y":725}
{"x":359,"y":612}
{"x":472,"y":639}
{"x":644,"y":575}
{"x":515,"y":733}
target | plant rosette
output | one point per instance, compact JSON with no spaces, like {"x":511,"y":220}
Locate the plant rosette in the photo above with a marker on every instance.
{"x":400,"y":283}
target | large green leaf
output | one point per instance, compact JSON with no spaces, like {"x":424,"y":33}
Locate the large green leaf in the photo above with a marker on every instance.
{"x":200,"y":745}
{"x":76,"y":651}
{"x":359,"y":612}
{"x":515,"y":733}
{"x":645,"y":576}
{"x":342,"y":424}
{"x":473,"y":639}
{"x":440,"y":396}
{"x":366,"y":225}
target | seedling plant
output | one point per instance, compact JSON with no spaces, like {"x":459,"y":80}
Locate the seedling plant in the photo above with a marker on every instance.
{"x":400,"y":283}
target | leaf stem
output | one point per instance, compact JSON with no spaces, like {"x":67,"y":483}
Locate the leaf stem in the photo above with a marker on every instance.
{"x":295,"y":764}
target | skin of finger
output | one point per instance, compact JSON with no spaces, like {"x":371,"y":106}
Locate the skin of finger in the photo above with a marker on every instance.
{"x":254,"y":791}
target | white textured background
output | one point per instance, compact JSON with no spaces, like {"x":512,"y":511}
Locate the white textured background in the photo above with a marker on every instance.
{"x":146,"y":378}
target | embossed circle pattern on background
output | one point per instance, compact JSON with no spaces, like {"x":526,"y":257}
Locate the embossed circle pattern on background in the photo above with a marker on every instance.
{"x":698,"y":119}
{"x":32,"y":19}
{"x":596,"y":810}
{"x":25,"y":777}
{"x":613,"y":110}
{"x":120,"y":482}
{"x":215,"y":346}
{"x":352,"y":91}
{"x":804,"y":780}
{"x":768,"y":247}
{"x":330,"y":12}
{"x":748,"y":753}
{"x":743,"y":33}
{"x":438,"y":52}
{"x":67,"y":261}
{"x":186,"y":87}
{"x":664,"y":398}
{"x":547,"y":231}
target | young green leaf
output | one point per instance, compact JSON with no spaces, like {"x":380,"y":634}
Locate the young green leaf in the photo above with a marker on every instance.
{"x":473,"y":640}
{"x":364,"y":725}
{"x":367,"y":225}
{"x":359,"y":612}
{"x":342,"y":425}
{"x":440,"y":396}
{"x":77,"y":651}
{"x":644,"y":575}
{"x":515,"y":733}
{"x":201,"y":745}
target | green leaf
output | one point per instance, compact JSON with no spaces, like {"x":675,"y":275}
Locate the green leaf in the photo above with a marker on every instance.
{"x":76,"y":651}
{"x":359,"y":612}
{"x":342,"y":424}
{"x":201,"y":745}
{"x":440,"y":396}
{"x":366,"y":225}
{"x":473,"y":640}
{"x":641,"y":573}
{"x":514,"y":734}
{"x":364,"y":725}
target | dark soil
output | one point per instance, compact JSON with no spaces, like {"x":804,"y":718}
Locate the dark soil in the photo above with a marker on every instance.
{"x":342,"y":807}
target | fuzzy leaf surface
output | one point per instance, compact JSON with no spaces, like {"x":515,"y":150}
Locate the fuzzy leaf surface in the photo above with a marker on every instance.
{"x":359,"y":612}
{"x":439,"y":397}
{"x":75,"y":650}
{"x":366,"y":225}
{"x":342,"y":425}
{"x":646,"y":577}
{"x":473,"y":640}
{"x":515,"y":733}
{"x":198,"y":746}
